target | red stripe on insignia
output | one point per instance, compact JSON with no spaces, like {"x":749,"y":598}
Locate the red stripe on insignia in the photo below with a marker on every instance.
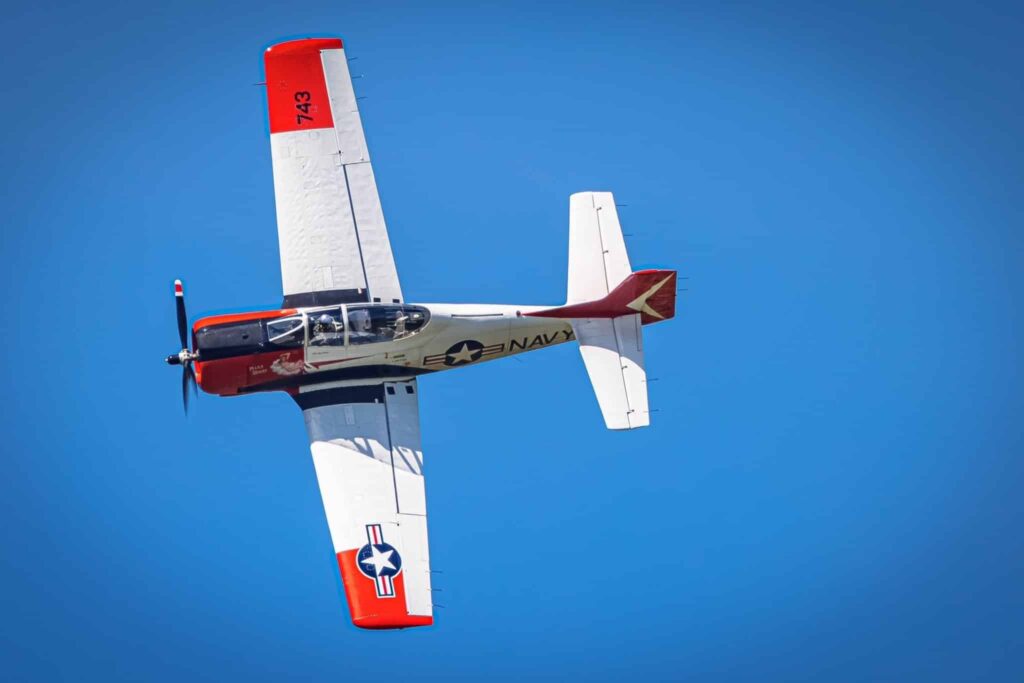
{"x":369,"y":611}
{"x":296,"y":88}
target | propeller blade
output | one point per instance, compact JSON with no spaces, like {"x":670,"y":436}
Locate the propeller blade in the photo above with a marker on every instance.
{"x":179,"y":302}
{"x":188,"y":378}
{"x":184,"y":388}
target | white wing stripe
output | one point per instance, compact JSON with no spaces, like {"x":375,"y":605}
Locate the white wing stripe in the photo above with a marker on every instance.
{"x":316,"y":229}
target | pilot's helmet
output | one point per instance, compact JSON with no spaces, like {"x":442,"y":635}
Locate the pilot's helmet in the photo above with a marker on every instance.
{"x":326,"y":320}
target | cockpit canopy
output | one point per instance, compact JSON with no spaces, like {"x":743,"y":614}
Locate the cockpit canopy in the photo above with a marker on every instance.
{"x":327,"y":326}
{"x":362,"y":324}
{"x":369,"y":324}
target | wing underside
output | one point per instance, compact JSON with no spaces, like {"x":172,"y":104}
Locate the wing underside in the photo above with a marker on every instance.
{"x":333,"y":240}
{"x":365,"y":441}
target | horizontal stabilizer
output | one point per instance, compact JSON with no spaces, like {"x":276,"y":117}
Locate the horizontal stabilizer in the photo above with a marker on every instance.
{"x":597,"y":253}
{"x":613,"y":352}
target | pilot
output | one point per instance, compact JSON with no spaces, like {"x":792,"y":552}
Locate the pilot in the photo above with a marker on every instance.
{"x":324,"y":326}
{"x":360,"y":327}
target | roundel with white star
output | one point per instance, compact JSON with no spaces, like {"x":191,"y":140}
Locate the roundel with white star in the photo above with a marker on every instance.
{"x":377,"y":560}
{"x":465,"y":351}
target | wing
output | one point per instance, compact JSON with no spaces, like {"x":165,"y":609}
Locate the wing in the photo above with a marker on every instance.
{"x":369,"y":464}
{"x":334,"y":244}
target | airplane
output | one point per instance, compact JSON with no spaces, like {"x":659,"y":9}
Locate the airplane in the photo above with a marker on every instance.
{"x":348,"y":348}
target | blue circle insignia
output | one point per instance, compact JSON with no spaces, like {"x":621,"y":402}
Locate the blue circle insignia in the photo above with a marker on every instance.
{"x":465,"y":351}
{"x":378,"y":559}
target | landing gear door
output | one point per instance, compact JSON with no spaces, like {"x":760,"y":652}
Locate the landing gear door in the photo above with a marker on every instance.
{"x":325,"y":335}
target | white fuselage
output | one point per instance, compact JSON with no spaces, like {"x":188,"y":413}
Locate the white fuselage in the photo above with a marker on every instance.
{"x":455,"y":335}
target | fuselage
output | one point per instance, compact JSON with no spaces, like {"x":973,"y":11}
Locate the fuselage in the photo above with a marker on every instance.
{"x":289,"y":348}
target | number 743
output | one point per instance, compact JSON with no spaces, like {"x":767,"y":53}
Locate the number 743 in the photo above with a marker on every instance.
{"x":302,"y":103}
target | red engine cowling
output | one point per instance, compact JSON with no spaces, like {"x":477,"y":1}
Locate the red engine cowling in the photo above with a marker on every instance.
{"x":234,"y":355}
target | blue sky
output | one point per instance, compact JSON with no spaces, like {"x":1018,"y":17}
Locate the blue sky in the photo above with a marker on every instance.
{"x":829,"y":491}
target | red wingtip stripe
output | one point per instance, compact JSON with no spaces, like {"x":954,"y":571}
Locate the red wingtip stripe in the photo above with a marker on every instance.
{"x":378,"y":623}
{"x":178,"y":289}
{"x":296,"y":88}
{"x":368,"y":610}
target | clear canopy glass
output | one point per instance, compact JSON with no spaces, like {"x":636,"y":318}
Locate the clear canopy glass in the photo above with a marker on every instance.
{"x":370,"y":324}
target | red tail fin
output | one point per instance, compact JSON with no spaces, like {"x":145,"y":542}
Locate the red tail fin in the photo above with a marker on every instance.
{"x":651,"y":293}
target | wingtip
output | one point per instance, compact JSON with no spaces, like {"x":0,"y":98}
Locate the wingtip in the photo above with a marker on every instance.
{"x":375,"y":623}
{"x":305,"y":45}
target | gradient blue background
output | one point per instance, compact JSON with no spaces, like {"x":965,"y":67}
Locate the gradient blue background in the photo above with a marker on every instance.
{"x":831,"y":489}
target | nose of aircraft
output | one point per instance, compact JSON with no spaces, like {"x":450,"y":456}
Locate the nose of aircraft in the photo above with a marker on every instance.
{"x":184,"y":357}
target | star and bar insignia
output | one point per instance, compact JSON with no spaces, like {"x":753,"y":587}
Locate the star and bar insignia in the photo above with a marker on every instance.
{"x":379,"y":561}
{"x":463,"y":352}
